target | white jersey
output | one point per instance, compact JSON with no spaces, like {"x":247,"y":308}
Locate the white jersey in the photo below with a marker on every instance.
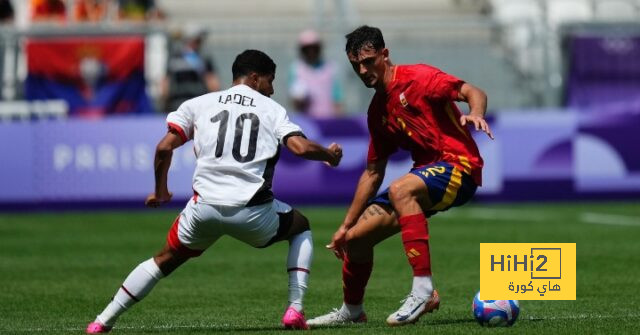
{"x":237,"y":135}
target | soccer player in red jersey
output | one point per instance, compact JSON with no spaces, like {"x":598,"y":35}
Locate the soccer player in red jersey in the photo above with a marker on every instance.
{"x":413,"y":109}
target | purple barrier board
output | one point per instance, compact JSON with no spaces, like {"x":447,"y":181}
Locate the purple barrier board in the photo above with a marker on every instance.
{"x":537,"y":155}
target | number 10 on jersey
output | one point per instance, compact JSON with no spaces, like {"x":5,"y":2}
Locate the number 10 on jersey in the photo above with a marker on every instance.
{"x":223,"y":118}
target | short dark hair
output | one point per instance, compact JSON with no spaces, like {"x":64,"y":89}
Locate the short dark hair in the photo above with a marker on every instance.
{"x":364,"y":36}
{"x":252,"y":61}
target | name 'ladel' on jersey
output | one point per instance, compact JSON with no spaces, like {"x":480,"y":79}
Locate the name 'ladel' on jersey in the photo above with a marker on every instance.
{"x":239,"y":99}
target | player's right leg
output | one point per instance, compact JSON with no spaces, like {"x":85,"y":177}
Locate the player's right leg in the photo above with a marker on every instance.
{"x":415,"y":196}
{"x":147,"y":274}
{"x":377,"y":223}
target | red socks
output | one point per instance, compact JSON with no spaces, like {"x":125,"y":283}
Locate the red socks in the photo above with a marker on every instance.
{"x":354,"y":280}
{"x":415,"y":237}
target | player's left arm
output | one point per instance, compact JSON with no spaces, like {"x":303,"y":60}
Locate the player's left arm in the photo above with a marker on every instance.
{"x":477,"y":101}
{"x":307,"y":149}
{"x":162,"y":162}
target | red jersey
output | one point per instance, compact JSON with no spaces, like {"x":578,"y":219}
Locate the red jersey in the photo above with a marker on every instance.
{"x":417,"y":113}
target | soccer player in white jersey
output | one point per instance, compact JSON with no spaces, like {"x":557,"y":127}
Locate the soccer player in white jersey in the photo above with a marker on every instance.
{"x":237,"y":135}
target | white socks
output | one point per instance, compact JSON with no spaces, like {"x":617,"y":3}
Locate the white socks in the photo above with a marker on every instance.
{"x":147,"y":274}
{"x":422,"y":286}
{"x":137,"y":285}
{"x":351,"y":311}
{"x":298,"y":266}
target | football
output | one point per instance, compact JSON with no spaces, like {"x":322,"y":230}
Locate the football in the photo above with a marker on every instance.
{"x":495,"y":313}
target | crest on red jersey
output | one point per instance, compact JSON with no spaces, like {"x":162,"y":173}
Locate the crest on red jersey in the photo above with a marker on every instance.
{"x":403,"y":100}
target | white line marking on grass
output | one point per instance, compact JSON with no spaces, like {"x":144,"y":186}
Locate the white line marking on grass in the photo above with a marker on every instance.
{"x":33,"y":330}
{"x":610,"y":219}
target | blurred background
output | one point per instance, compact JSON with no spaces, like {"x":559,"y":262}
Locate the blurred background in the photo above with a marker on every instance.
{"x":85,"y":86}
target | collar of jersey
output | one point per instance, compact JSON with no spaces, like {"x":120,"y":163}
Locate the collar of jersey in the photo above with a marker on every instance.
{"x":393,"y":81}
{"x":243,"y":87}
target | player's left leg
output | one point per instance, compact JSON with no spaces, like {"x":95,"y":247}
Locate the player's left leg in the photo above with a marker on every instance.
{"x":432,"y":188}
{"x":137,"y":285}
{"x":147,"y":274}
{"x":274,"y":222}
{"x":377,"y":223}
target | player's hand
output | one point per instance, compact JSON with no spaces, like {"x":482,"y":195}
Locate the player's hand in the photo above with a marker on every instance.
{"x":338,"y":241}
{"x":155,"y":201}
{"x":336,"y":151}
{"x":479,"y":122}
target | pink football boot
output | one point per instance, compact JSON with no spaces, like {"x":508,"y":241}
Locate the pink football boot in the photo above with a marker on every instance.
{"x":292,"y":319}
{"x":97,"y":328}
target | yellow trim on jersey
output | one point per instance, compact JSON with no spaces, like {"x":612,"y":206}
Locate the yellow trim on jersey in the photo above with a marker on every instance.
{"x":451,"y":192}
{"x":451,"y":115}
{"x":464,"y":161}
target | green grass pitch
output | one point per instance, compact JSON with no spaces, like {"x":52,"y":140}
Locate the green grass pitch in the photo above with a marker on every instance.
{"x":58,"y":270}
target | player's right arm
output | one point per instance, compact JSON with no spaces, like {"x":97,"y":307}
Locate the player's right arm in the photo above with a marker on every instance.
{"x":380,"y":148}
{"x":307,"y":149}
{"x":368,"y":186}
{"x":162,"y":162}
{"x":181,"y":130}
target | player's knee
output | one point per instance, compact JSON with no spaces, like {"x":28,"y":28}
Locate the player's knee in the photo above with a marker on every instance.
{"x":356,"y":243}
{"x":304,"y":223}
{"x":300,"y":222}
{"x":399,"y":192}
{"x":358,"y":249}
{"x":168,"y":260}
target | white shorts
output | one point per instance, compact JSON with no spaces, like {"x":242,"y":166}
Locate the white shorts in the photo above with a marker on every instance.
{"x":200,"y":225}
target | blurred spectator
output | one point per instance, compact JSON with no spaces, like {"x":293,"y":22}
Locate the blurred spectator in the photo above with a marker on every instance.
{"x":6,"y":11}
{"x":90,"y":10}
{"x":48,"y":10}
{"x":189,"y":73}
{"x":139,"y":10}
{"x":313,"y":84}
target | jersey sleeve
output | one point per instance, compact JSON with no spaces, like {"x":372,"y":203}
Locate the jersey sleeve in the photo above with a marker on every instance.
{"x":285,"y":128}
{"x":438,"y":85}
{"x":182,"y":122}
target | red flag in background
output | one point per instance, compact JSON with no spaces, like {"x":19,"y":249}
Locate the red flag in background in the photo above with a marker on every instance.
{"x":96,"y":76}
